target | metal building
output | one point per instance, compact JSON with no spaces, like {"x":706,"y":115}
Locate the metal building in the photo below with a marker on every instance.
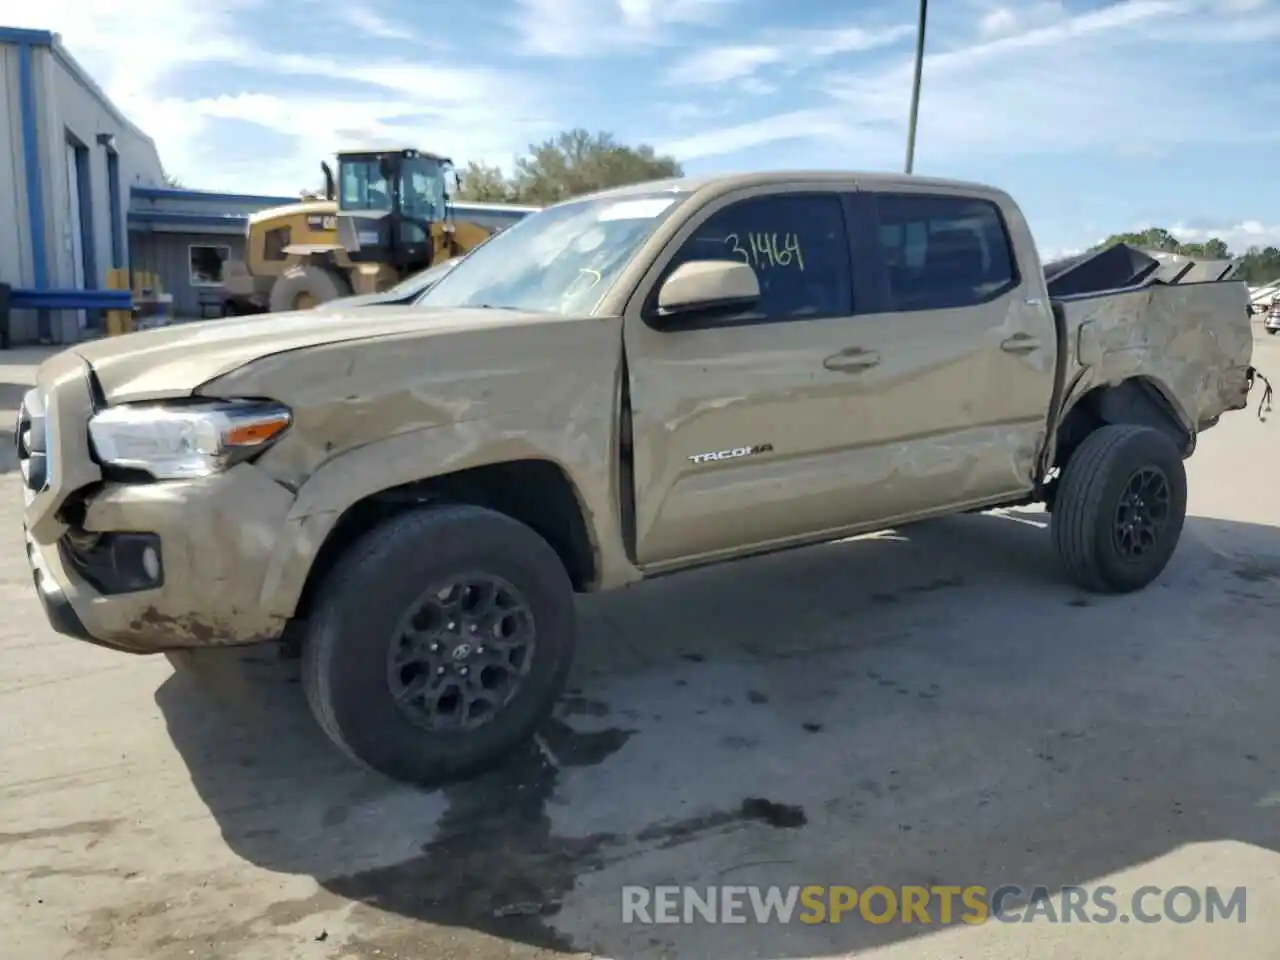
{"x":68,"y":160}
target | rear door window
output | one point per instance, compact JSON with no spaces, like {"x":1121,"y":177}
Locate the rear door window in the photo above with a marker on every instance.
{"x":943,"y":252}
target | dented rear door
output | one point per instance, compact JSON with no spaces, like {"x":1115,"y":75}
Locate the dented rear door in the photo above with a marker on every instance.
{"x":968,"y":347}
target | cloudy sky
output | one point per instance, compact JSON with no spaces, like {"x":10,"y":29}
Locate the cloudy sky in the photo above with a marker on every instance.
{"x":1097,"y":115}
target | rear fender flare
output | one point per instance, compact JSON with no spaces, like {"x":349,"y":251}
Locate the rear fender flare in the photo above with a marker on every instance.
{"x":1142,"y":400}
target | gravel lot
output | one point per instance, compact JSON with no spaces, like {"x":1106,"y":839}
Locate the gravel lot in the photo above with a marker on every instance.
{"x":936,"y":703}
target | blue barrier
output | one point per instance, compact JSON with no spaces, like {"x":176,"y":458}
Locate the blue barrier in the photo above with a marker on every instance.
{"x":26,"y":299}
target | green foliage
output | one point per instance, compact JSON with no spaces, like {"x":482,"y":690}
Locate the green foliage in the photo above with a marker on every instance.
{"x":568,"y":165}
{"x":1258,"y":265}
{"x":173,"y":182}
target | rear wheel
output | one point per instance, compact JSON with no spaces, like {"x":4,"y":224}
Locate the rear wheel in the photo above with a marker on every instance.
{"x":440,"y":642}
{"x":1119,"y":508}
{"x":307,"y":286}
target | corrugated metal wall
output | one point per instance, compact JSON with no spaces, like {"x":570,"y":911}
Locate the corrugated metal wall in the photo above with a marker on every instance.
{"x":168,"y":254}
{"x":15,"y":246}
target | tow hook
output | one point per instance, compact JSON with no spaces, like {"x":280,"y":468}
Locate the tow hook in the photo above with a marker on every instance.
{"x":1252,"y":375}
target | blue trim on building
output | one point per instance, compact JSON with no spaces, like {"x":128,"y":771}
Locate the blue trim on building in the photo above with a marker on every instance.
{"x":21,"y":299}
{"x":33,"y":38}
{"x":204,"y":196}
{"x":26,"y":40}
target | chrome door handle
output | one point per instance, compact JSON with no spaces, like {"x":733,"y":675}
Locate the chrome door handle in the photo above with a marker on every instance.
{"x":851,"y":360}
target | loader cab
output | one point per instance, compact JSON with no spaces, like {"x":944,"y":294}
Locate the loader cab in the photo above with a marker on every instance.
{"x":387,"y":203}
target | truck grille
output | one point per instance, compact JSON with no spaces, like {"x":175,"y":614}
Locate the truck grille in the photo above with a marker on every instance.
{"x":31,"y":436}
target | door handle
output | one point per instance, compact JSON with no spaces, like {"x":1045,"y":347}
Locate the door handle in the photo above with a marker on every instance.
{"x":852,"y":359}
{"x":1020,"y":343}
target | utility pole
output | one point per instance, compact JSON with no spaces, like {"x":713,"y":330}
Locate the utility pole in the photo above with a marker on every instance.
{"x":915,"y":87}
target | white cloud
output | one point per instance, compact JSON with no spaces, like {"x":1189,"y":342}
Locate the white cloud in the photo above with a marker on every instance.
{"x":998,"y":21}
{"x":1040,"y":82}
{"x":1238,"y":237}
{"x":713,"y":65}
{"x":597,"y":28}
{"x":134,"y":48}
{"x":131,"y":47}
{"x":800,"y":124}
{"x":371,"y":23}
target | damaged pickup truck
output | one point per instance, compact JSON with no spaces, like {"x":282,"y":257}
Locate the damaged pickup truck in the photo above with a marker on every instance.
{"x":619,"y":386}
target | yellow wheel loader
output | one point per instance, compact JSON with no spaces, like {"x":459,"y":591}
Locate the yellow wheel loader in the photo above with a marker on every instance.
{"x":387,"y":215}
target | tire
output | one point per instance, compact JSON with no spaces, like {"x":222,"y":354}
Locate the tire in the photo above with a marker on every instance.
{"x":362,"y":603}
{"x":311,"y":281}
{"x":1090,"y":492}
{"x":1273,"y":330}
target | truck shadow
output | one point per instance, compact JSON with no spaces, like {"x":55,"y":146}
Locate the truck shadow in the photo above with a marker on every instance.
{"x":930,"y":708}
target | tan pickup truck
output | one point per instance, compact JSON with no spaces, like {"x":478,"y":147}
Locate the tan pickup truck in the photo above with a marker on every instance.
{"x":619,"y":386}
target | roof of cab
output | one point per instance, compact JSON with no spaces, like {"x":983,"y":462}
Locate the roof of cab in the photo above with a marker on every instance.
{"x":718,"y":183}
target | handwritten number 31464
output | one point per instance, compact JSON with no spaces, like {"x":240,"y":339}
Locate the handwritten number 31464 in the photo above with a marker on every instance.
{"x":763,"y":250}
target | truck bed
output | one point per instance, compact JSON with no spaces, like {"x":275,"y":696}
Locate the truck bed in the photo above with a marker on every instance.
{"x":1120,"y":266}
{"x":1174,"y":320}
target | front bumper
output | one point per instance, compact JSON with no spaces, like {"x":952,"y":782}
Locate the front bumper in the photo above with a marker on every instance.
{"x":1272,"y":321}
{"x":215,"y":539}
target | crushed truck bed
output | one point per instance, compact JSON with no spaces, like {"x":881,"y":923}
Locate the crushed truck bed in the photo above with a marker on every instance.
{"x":1121,"y":266}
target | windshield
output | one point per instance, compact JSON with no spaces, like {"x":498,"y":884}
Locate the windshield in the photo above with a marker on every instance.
{"x":559,"y":260}
{"x":362,"y":186}
{"x":422,"y":188}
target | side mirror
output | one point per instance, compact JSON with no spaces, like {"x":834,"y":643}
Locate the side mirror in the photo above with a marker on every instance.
{"x":708,"y":284}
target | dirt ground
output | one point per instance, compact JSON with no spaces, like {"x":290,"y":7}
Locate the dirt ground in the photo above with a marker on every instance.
{"x":932,"y":706}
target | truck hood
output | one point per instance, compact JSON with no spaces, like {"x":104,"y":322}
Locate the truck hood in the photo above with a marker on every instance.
{"x":174,"y":361}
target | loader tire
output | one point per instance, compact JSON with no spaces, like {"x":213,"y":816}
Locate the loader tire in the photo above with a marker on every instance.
{"x":307,"y":286}
{"x":440,"y":642}
{"x":1119,"y":509}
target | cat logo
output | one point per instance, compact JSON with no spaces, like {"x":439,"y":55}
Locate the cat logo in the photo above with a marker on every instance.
{"x":317,"y":222}
{"x":732,"y":454}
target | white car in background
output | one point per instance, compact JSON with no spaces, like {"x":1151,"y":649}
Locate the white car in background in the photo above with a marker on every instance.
{"x":1272,"y":322}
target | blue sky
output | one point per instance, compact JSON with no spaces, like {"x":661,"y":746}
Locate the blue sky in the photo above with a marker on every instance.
{"x":1096,"y":115}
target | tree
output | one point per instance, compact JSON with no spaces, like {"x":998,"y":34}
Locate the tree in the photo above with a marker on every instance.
{"x":1152,"y":238}
{"x":485,"y":184}
{"x":568,"y":165}
{"x":173,"y":182}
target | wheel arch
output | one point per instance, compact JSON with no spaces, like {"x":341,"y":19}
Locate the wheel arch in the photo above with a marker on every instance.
{"x":1141,"y":401}
{"x":533,"y":490}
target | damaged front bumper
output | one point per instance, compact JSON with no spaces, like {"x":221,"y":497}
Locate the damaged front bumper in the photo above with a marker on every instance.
{"x":141,"y":566}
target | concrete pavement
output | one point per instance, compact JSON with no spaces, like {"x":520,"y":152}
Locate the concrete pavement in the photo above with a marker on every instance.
{"x":928,"y":707}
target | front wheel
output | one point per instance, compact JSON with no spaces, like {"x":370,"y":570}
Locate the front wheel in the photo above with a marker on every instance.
{"x":1273,"y":330}
{"x":439,"y":644}
{"x":1120,"y":508}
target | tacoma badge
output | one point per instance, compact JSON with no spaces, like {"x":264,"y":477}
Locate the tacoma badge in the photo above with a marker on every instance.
{"x":732,"y":454}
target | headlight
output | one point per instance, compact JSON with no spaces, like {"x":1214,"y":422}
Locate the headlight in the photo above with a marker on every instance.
{"x":177,"y":440}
